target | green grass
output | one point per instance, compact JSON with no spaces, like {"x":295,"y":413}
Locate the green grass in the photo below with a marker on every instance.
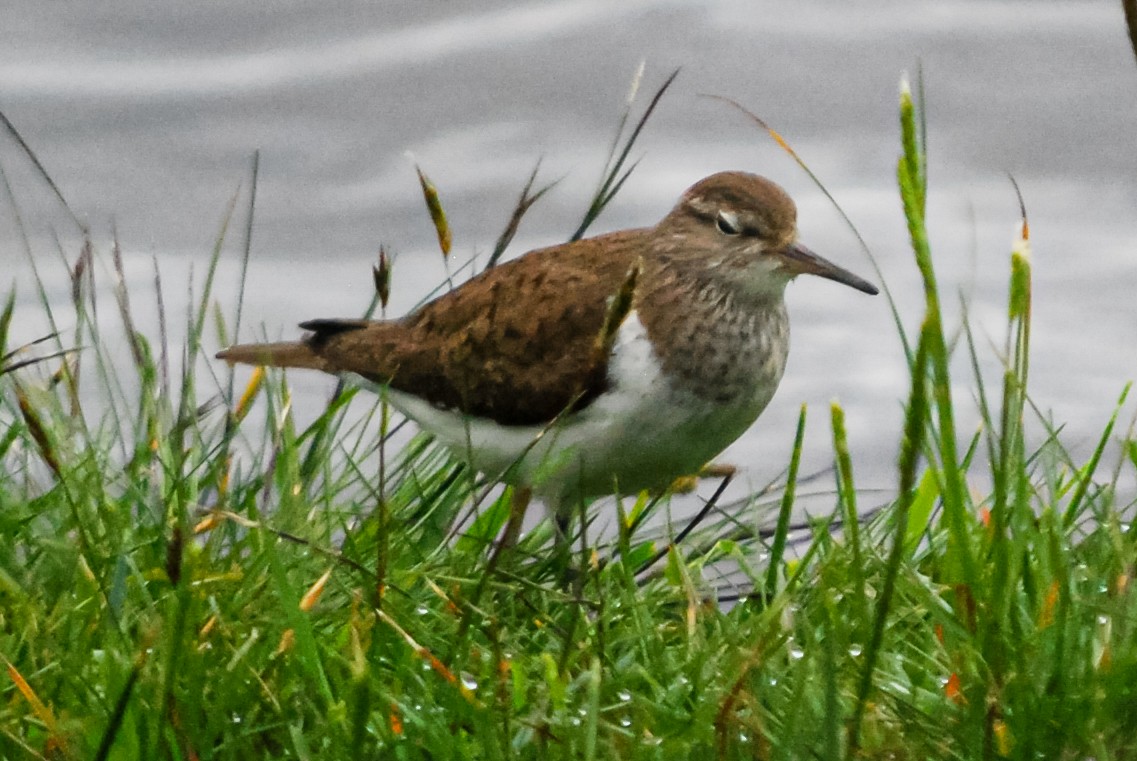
{"x":183,"y":578}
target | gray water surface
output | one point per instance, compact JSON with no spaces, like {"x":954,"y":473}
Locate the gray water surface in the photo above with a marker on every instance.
{"x":146,"y":116}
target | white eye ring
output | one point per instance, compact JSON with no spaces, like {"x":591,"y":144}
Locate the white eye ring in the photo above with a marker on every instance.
{"x":727,"y":223}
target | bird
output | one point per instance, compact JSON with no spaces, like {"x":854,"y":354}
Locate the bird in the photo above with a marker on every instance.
{"x":606,"y":365}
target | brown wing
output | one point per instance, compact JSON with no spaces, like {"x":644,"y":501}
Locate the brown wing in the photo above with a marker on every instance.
{"x":514,"y":344}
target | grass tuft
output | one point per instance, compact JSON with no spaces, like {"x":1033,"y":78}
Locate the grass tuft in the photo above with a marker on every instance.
{"x":188,"y":571}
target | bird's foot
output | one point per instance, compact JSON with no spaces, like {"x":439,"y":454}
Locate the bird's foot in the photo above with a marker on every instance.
{"x":688,"y":484}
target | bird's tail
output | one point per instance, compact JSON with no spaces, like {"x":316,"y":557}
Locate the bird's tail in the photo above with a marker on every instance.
{"x":288,"y":354}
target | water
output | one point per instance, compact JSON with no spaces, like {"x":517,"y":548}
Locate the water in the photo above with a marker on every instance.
{"x":147,"y":116}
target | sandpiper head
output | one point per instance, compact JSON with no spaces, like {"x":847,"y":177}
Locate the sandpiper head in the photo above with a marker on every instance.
{"x":751,"y":225}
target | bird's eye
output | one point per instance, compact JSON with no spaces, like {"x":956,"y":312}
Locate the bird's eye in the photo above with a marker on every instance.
{"x":727,"y":223}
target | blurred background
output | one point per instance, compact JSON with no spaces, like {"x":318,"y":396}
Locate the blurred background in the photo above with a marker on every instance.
{"x":147,"y":115}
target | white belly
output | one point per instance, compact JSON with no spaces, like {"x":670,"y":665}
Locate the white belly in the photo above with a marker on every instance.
{"x":643,"y":432}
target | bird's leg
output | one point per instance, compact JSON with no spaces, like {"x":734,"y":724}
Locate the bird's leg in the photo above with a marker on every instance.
{"x":518,"y":505}
{"x":561,"y":514}
{"x":559,"y":510}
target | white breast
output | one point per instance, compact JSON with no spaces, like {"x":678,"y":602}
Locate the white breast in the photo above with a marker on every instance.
{"x":643,"y":432}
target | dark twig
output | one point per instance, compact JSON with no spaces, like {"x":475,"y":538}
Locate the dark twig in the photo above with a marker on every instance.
{"x":690,"y":526}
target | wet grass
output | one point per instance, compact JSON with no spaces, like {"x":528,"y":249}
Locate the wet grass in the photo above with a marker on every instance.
{"x":188,"y":572}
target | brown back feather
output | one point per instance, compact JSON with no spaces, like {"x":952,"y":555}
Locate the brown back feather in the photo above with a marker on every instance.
{"x":489,"y":351}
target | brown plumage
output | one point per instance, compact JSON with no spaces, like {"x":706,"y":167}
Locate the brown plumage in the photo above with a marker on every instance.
{"x":517,"y":344}
{"x":482,"y":348}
